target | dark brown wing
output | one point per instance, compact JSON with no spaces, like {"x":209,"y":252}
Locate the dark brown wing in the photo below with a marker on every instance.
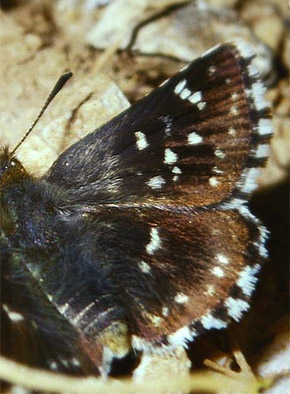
{"x":196,"y":140}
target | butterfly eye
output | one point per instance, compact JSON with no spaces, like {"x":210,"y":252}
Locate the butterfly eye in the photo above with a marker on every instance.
{"x":4,"y":169}
{"x":9,"y":166}
{"x":10,"y":170}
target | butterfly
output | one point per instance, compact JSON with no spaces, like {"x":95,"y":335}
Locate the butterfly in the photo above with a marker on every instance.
{"x":139,"y":237}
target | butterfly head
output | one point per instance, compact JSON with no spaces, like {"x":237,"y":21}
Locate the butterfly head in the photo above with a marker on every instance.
{"x":11,"y":170}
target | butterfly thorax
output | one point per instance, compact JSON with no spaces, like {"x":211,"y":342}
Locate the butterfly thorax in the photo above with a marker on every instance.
{"x":26,"y":215}
{"x":12,"y":174}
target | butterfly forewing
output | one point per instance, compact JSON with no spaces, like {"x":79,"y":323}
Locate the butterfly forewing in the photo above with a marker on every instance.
{"x":186,"y":143}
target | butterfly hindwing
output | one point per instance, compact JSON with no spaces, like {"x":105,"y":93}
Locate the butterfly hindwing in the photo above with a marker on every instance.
{"x":139,"y":274}
{"x":174,"y":270}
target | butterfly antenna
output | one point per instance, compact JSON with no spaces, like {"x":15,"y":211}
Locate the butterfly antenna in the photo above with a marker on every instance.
{"x":57,"y":87}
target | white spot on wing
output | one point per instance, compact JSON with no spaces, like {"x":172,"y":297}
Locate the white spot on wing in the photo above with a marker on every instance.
{"x":201,"y":105}
{"x":156,"y":182}
{"x":247,"y":279}
{"x":222,"y":259}
{"x":156,"y":320}
{"x":210,"y":290}
{"x":144,"y":267}
{"x":193,"y":138}
{"x":234,"y":110}
{"x":155,"y":241}
{"x":50,"y":298}
{"x":181,"y":337}
{"x":141,"y":141}
{"x":219,"y":153}
{"x":235,"y":203}
{"x":213,"y":181}
{"x":75,"y":362}
{"x":232,"y":131}
{"x":262,"y":151}
{"x":170,"y":157}
{"x":13,"y":316}
{"x":179,"y":87}
{"x":181,"y":298}
{"x":244,"y":48}
{"x":52,"y":365}
{"x":257,"y":92}
{"x":176,"y":170}
{"x":250,"y":180}
{"x":217,"y":171}
{"x":195,"y":97}
{"x":209,"y":322}
{"x":253,"y":70}
{"x":212,"y":70}
{"x":265,"y":127}
{"x":236,"y":307}
{"x":261,"y":243}
{"x":185,"y":94}
{"x":217,"y":271}
{"x":165,"y":311}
